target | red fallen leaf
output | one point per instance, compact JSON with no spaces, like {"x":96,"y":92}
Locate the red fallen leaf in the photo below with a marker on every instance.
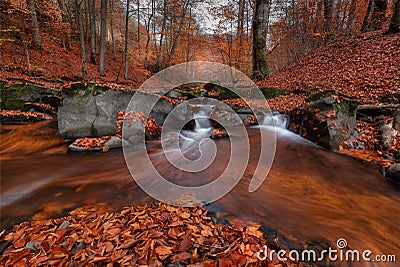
{"x":19,"y":243}
{"x":184,"y":215}
{"x":238,"y":259}
{"x":209,"y":263}
{"x":21,"y":263}
{"x":129,"y":243}
{"x":180,"y":257}
{"x":17,"y":257}
{"x":174,"y":231}
{"x":60,"y":234}
{"x":98,"y":259}
{"x":185,"y":244}
{"x":224,"y":262}
{"x":163,"y":252}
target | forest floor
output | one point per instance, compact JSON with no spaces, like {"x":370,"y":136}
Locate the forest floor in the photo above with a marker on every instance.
{"x":155,"y":235}
{"x":54,"y":66}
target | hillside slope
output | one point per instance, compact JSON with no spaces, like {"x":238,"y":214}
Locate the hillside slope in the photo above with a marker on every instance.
{"x":364,"y":67}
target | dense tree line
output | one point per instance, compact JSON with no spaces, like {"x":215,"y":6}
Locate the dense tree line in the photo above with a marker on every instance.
{"x":246,"y":34}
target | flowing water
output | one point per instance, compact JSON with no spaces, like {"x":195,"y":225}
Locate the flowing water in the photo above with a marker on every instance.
{"x":311,"y":197}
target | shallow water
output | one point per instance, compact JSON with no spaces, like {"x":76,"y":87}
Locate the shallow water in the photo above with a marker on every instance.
{"x":311,"y":197}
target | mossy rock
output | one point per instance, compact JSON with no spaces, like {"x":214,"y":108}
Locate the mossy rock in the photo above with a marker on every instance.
{"x":390,"y":98}
{"x":320,"y":95}
{"x":272,"y":92}
{"x":89,"y":88}
{"x":14,"y":96}
{"x":13,"y":104}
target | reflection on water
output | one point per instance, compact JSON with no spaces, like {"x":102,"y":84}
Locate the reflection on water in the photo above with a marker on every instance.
{"x":311,"y":197}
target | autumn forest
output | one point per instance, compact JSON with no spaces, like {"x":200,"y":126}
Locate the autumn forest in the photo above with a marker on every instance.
{"x":200,"y":133}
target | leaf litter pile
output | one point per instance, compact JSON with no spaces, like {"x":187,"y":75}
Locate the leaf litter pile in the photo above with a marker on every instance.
{"x":17,"y":115}
{"x":154,"y":235}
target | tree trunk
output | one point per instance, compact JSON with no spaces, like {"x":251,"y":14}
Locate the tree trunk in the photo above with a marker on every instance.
{"x":81,"y":36}
{"x":352,"y":17}
{"x":103,"y":34}
{"x":92,"y":15}
{"x":175,"y":40}
{"x":378,"y":15}
{"x":375,"y":17}
{"x":328,"y":6}
{"x":66,"y":17}
{"x":163,"y":26}
{"x":126,"y":54}
{"x":23,"y":37}
{"x":138,"y":21}
{"x":112,"y":30}
{"x":260,"y":22}
{"x":37,"y":39}
{"x":395,"y":22}
{"x":240,"y":32}
{"x":364,"y":27}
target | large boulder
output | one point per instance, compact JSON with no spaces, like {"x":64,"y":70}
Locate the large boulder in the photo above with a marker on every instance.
{"x":92,"y":110}
{"x":329,"y":122}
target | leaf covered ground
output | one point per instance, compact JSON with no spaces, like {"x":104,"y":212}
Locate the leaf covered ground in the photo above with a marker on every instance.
{"x":364,"y":67}
{"x":154,"y":235}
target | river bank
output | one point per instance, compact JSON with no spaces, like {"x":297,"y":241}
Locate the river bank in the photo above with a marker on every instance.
{"x":311,"y":198}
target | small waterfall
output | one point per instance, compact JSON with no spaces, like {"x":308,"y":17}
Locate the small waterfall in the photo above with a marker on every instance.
{"x":201,"y":118}
{"x":278,"y":120}
{"x":202,"y":125}
{"x":281,"y":121}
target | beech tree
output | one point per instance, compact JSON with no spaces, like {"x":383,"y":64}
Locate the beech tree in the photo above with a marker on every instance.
{"x":81,"y":35}
{"x":328,"y":6}
{"x":92,"y":18}
{"x":103,"y":33}
{"x":260,"y":23}
{"x":395,"y":21}
{"x":375,"y":16}
{"x":126,"y":52}
{"x":37,"y":39}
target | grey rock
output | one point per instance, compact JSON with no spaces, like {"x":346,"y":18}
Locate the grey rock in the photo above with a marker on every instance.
{"x":174,"y":94}
{"x":77,"y":247}
{"x":74,"y":148}
{"x":32,"y":246}
{"x":64,"y":225}
{"x":92,"y":111}
{"x":387,"y":133}
{"x":393,"y":173}
{"x":396,"y":119}
{"x":114,"y":142}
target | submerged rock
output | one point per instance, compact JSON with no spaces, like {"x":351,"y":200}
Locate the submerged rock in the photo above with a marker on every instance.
{"x":114,"y":142}
{"x":393,"y":173}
